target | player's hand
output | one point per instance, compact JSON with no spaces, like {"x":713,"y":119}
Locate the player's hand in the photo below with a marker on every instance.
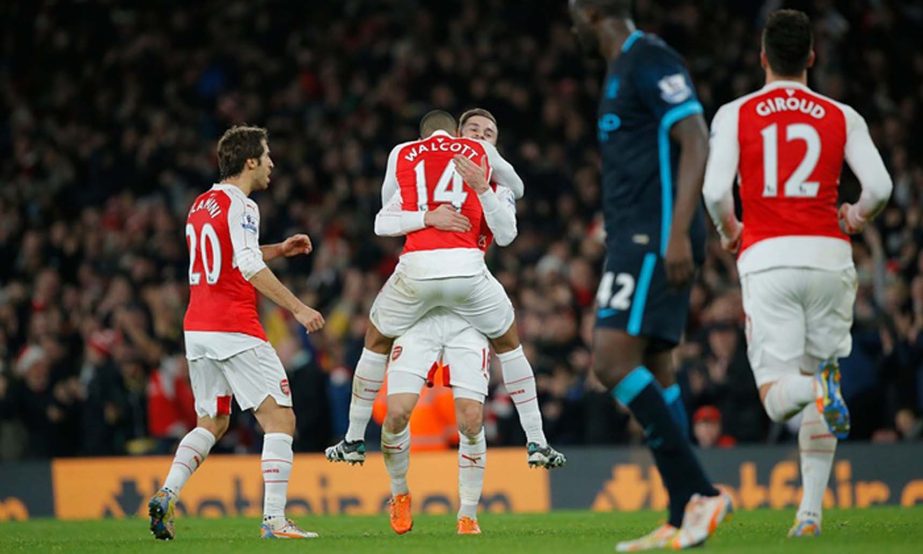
{"x":296,"y":244}
{"x":732,"y":244}
{"x":678,"y":260}
{"x":850,"y":221}
{"x":309,"y":318}
{"x":475,"y":176}
{"x":445,"y":218}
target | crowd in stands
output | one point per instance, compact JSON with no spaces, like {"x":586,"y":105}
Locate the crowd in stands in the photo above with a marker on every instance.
{"x":112,"y":113}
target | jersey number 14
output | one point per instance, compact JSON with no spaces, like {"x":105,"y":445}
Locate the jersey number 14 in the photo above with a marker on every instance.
{"x":450,"y":188}
{"x":796,"y":186}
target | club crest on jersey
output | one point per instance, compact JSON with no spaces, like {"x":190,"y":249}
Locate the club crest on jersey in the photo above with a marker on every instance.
{"x":283,"y":384}
{"x":248,"y":222}
{"x":396,"y":352}
{"x":674,"y":88}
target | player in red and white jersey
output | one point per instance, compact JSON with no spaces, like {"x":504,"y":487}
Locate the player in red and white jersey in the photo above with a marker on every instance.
{"x":225,"y":343}
{"x":787,"y":144}
{"x":497,"y":218}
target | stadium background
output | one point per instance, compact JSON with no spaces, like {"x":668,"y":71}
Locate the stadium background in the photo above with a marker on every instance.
{"x":111,"y":114}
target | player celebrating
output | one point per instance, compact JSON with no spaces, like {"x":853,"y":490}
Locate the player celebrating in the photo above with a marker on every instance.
{"x":445,"y":341}
{"x":225,"y":343}
{"x":788,"y":143}
{"x":428,"y":274}
{"x":654,"y":235}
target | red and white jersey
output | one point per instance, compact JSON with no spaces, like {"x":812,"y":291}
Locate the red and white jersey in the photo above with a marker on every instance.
{"x":222,"y":234}
{"x":499,"y":221}
{"x":787,"y":144}
{"x":421,"y":176}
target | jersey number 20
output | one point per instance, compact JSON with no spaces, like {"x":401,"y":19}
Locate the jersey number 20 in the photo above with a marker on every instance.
{"x":795,"y":186}
{"x":213,"y":270}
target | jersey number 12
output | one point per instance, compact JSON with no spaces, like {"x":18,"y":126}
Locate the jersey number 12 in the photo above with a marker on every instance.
{"x":795,"y":186}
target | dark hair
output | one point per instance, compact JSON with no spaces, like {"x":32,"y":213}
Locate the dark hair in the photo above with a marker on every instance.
{"x":437,"y":120}
{"x":239,"y":144}
{"x":787,"y":40}
{"x":612,"y":8}
{"x":475,"y":112}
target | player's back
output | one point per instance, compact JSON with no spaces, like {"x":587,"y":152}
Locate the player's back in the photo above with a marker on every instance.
{"x":220,"y":299}
{"x":426,"y":178}
{"x":792,"y":143}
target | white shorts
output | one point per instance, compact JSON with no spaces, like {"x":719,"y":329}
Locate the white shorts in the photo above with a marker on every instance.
{"x":797,"y":317}
{"x":478,"y":299}
{"x":250,"y":376}
{"x":440,"y":336}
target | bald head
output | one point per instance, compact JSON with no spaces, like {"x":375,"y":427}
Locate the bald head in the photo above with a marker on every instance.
{"x":608,"y":8}
{"x":437,"y":120}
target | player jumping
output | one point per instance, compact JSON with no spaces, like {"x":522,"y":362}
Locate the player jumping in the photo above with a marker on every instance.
{"x":655,"y":235}
{"x":788,"y":144}
{"x":443,"y":265}
{"x":225,"y":343}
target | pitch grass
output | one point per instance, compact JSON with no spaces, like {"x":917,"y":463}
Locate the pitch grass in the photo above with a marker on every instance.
{"x":876,"y":530}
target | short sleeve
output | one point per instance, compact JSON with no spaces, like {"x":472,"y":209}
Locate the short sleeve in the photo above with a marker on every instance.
{"x":664,"y":85}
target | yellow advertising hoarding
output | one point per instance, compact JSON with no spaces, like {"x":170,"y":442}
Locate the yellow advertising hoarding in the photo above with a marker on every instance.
{"x":232,"y":485}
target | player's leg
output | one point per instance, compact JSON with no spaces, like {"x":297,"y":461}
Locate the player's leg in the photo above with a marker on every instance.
{"x":638,"y":306}
{"x":466,"y":356}
{"x":659,"y":359}
{"x":394,"y":311}
{"x":403,"y":393}
{"x":829,"y":310}
{"x":489,"y":311}
{"x":213,"y":407}
{"x":776,"y":340}
{"x":260,"y":383}
{"x":472,"y":458}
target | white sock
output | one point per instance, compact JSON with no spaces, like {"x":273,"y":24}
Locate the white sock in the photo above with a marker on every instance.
{"x":190,"y":454}
{"x":788,"y":396}
{"x":395,"y":447}
{"x":519,"y":382}
{"x":817,"y":446}
{"x":367,"y":381}
{"x":277,"y":467}
{"x":472,"y":457}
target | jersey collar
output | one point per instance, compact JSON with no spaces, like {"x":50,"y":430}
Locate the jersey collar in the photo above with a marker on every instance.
{"x":785,"y":84}
{"x":228,"y":188}
{"x":440,"y":132}
{"x":631,"y":40}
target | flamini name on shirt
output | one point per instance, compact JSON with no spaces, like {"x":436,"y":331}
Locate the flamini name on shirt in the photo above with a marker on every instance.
{"x":209,"y":204}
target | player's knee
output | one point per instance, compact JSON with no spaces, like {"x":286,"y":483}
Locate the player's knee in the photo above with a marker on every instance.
{"x":396,"y":422}
{"x":217,"y":425}
{"x":470,"y":419}
{"x":506,"y":342}
{"x":376,"y":342}
{"x":610,"y":372}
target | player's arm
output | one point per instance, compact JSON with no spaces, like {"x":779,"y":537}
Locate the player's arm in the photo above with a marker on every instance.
{"x":865,"y":161}
{"x":292,"y":246}
{"x":244,"y":225}
{"x":390,"y":187}
{"x":665,"y":87}
{"x":718,"y":189}
{"x":502,"y":171}
{"x":393,"y":221}
{"x":692,"y":135}
{"x":499,"y":207}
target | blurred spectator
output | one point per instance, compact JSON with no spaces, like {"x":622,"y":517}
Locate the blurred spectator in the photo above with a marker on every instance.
{"x":112,"y":120}
{"x":707,"y":429}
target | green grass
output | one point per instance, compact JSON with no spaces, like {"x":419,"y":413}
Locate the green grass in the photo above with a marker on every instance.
{"x":878,"y":530}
